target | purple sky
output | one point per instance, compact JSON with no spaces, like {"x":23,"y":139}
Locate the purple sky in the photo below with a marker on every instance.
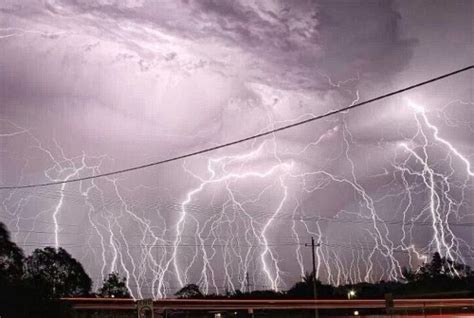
{"x":95,"y":86}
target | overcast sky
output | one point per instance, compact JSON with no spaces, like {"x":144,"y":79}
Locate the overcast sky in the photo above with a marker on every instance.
{"x":95,"y":86}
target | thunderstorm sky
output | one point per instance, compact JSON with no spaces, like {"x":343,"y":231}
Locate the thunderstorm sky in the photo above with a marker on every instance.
{"x":95,"y":86}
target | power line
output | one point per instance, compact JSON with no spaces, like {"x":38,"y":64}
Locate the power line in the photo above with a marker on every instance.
{"x":238,"y":141}
{"x":149,"y":246}
{"x":133,"y":247}
{"x":151,"y":234}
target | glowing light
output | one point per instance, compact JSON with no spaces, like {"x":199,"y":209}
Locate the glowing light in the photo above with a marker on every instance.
{"x":351,"y":294}
{"x":416,"y":107}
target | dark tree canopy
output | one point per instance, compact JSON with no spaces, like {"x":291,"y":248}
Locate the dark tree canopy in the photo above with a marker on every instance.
{"x":189,"y":291}
{"x":58,"y":271}
{"x":439,"y":278}
{"x":11,"y":258}
{"x":438,"y":268}
{"x":114,"y":286}
{"x":304,"y":288}
{"x":20,"y":297}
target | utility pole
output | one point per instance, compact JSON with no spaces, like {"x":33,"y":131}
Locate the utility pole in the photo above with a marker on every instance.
{"x":247,"y":279}
{"x":315,"y":291}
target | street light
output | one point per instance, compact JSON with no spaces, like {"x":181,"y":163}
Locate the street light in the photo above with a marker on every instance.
{"x":351,"y":294}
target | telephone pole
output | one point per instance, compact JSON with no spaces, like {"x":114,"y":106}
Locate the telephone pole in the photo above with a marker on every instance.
{"x":247,"y":280}
{"x":315,"y":291}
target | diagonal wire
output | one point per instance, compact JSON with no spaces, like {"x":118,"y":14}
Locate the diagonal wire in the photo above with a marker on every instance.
{"x":238,"y":141}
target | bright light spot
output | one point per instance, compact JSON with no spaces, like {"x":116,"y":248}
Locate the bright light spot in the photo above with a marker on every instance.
{"x":356,"y":313}
{"x":351,"y":294}
{"x":417,"y":108}
{"x":289,"y":165}
{"x":403,"y":145}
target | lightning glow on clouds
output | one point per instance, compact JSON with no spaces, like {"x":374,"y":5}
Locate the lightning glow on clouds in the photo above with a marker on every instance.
{"x":93,"y":86}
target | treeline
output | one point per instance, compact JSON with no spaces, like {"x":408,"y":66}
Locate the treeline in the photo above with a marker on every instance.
{"x":31,"y":286}
{"x":439,"y":278}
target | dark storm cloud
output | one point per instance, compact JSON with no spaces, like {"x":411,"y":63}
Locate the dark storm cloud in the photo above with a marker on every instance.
{"x":76,"y":47}
{"x":285,"y":44}
{"x":304,"y":38}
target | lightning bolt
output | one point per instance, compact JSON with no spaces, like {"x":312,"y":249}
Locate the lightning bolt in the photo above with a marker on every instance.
{"x":227,"y":223}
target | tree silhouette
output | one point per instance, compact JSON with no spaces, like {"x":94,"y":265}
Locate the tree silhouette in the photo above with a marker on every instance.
{"x":57,"y":271}
{"x":304,"y":288}
{"x":408,"y":275}
{"x":437,"y":278}
{"x":19,"y":297}
{"x":438,"y":267}
{"x":11,"y":258}
{"x":114,"y":286}
{"x":189,"y":291}
{"x":433,"y":269}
